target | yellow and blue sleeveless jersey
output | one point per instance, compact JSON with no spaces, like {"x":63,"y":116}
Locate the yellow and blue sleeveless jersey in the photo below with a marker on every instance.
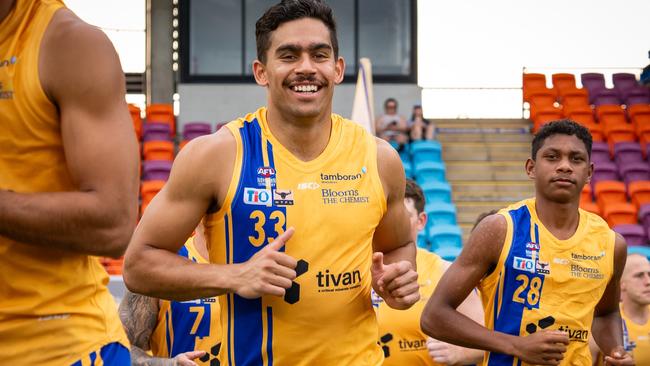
{"x":542,"y":282}
{"x":55,"y":307}
{"x":335,"y":202}
{"x":192,"y":325}
{"x":637,"y":337}
{"x":400,"y":336}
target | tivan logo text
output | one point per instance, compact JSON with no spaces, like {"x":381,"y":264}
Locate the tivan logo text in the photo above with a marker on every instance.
{"x":330,"y":282}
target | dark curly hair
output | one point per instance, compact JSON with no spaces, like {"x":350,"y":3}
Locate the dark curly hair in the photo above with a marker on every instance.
{"x":561,"y":127}
{"x":286,"y":11}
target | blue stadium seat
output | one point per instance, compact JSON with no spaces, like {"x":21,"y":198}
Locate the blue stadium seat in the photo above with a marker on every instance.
{"x":423,"y":241}
{"x":441,"y":214}
{"x":428,"y":171}
{"x":436,"y":192}
{"x":445,"y":236}
{"x":426,"y":150}
{"x":448,"y":253}
{"x":408,"y":169}
{"x":637,"y":249}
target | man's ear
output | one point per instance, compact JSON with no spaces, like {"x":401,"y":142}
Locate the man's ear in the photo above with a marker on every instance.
{"x":530,"y":168}
{"x":340,"y":70}
{"x":259,"y":72}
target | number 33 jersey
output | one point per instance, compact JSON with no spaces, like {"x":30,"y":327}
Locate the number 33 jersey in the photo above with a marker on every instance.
{"x":334,"y":202}
{"x":544,"y":283}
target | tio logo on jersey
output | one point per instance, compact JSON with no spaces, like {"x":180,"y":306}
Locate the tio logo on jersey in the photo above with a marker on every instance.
{"x":524,"y":264}
{"x":260,"y":197}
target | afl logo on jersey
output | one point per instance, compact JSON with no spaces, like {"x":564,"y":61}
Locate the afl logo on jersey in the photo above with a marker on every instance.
{"x":260,"y":197}
{"x":266,"y":172}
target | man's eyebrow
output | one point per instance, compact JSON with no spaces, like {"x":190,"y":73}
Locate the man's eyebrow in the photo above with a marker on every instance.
{"x":290,"y":47}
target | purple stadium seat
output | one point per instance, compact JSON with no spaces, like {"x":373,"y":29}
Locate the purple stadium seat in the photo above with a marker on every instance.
{"x":592,"y":82}
{"x":627,"y":152}
{"x":624,"y":81}
{"x":604,"y":171}
{"x":605,"y":96}
{"x":600,"y":152}
{"x":644,"y":216}
{"x":154,"y":131}
{"x":634,"y":234}
{"x":193,"y":130}
{"x":632,"y":172}
{"x":637,"y":95}
{"x":156,"y":170}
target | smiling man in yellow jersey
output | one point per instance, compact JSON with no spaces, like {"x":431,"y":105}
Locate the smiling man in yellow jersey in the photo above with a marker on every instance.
{"x":546,"y":269}
{"x":292,"y":170}
{"x":400,"y":336}
{"x":183,"y":333}
{"x":62,"y":110}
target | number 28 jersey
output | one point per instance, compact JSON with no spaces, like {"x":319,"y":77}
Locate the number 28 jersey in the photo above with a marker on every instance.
{"x":334,"y":202}
{"x":542,"y":282}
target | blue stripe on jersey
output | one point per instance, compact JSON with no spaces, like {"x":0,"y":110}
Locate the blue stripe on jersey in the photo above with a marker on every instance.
{"x":510,"y":312}
{"x":269,"y":343}
{"x":168,"y":335}
{"x":248,"y":313}
{"x":115,"y":354}
{"x":93,"y":357}
{"x":183,"y":317}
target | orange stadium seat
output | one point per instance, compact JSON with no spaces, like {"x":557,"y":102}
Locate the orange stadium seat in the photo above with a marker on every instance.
{"x":609,"y":192}
{"x":162,"y":113}
{"x":586,"y":194}
{"x":591,"y":207}
{"x":532,"y":82}
{"x":149,"y":189}
{"x":609,"y":113}
{"x":134,"y":110}
{"x":639,"y":192}
{"x":158,"y":150}
{"x":620,"y":213}
{"x":544,"y":116}
{"x":584,"y":116}
{"x":574,"y":97}
{"x":563,"y":81}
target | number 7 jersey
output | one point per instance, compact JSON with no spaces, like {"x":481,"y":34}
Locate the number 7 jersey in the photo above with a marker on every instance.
{"x":544,"y":283}
{"x":334,"y":202}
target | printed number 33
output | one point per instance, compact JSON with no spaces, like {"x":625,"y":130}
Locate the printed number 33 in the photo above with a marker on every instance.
{"x":260,"y":220}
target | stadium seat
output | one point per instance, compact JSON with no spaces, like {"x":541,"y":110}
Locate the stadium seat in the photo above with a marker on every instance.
{"x":436,"y":192}
{"x":441,"y":236}
{"x":425,"y":150}
{"x":604,"y":171}
{"x":624,"y":82}
{"x":162,"y":113}
{"x":158,"y":150}
{"x":639,"y":193}
{"x":600,"y":152}
{"x":149,"y":188}
{"x":429,"y":171}
{"x":591,"y":207}
{"x":533,"y":81}
{"x":544,"y":116}
{"x":587,"y":194}
{"x":448,"y":253}
{"x":540,"y":99}
{"x":440,"y":214}
{"x":642,"y":250}
{"x":632,"y":172}
{"x":605,"y":97}
{"x":563,"y":82}
{"x":637,"y":95}
{"x":156,"y":170}
{"x":609,"y":192}
{"x":408,"y":169}
{"x":627,"y":152}
{"x":192,"y":130}
{"x":592,"y":82}
{"x":574,"y":97}
{"x":135,"y":111}
{"x":634,"y":234}
{"x":585,"y":117}
{"x":156,"y":132}
{"x":620,"y":213}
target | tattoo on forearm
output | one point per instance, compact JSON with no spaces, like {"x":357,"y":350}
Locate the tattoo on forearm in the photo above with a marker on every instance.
{"x":139,"y":315}
{"x":141,"y":358}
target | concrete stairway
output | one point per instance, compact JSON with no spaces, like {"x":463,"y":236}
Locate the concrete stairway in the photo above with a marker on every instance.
{"x":485,"y":161}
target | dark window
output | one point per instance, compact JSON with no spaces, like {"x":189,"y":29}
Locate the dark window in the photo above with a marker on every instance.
{"x":217,"y":38}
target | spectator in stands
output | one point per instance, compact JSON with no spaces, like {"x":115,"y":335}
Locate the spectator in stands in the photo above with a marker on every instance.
{"x":400,"y":335}
{"x":510,"y":256}
{"x":174,"y":332}
{"x":420,"y":127}
{"x":635,"y":310}
{"x":303,"y":209}
{"x":391,"y":126}
{"x":68,"y":187}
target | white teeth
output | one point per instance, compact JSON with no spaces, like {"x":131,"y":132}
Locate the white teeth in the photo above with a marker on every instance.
{"x":305,"y":88}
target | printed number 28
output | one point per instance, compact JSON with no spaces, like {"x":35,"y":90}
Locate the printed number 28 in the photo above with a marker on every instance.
{"x":260,"y":220}
{"x":533,"y":290}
